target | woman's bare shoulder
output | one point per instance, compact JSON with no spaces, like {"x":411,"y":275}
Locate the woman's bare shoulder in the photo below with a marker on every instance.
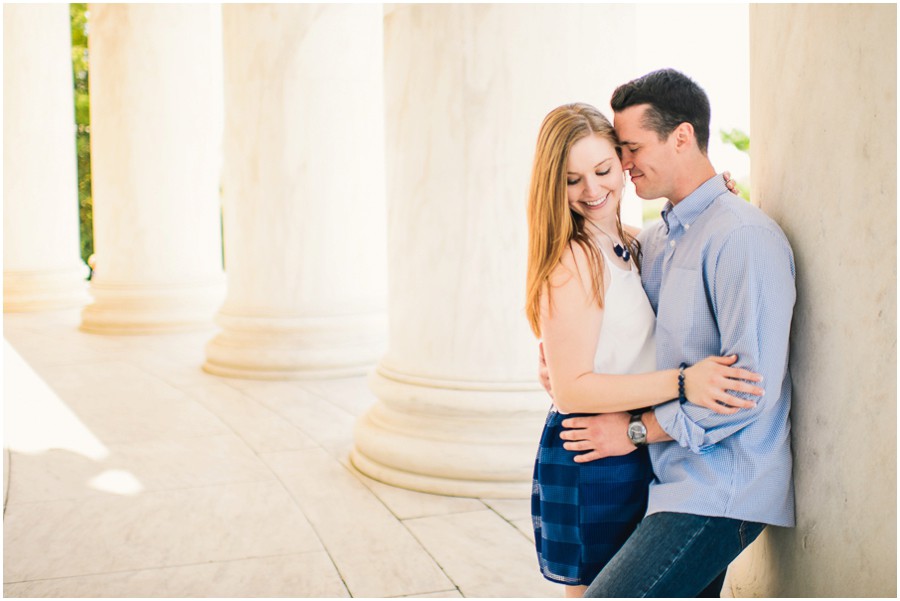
{"x":634,"y":231}
{"x":573,"y":263}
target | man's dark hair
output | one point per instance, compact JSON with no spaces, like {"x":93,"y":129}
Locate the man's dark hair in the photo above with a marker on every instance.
{"x":674,"y":98}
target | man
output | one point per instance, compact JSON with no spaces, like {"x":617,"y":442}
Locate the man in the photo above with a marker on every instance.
{"x":720,"y":275}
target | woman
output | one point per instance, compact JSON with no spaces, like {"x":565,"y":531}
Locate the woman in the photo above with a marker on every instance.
{"x":586,"y":302}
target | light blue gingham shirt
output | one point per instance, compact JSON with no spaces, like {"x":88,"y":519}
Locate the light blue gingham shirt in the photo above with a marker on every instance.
{"x":720,"y":275}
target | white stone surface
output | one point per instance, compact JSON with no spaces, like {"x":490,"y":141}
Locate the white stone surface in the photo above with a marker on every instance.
{"x":824,"y":113}
{"x":5,"y":476}
{"x":186,"y":511}
{"x":310,"y":574}
{"x":35,"y":418}
{"x":41,"y":264}
{"x":510,"y":509}
{"x":261,"y":428}
{"x":474,"y":548}
{"x":159,"y":529}
{"x":374,"y":553}
{"x":320,"y":420}
{"x":131,"y":468}
{"x":303,"y":189}
{"x":146,"y":407}
{"x":515,"y":511}
{"x":438,"y":595}
{"x":460,"y":408}
{"x":155,"y":162}
{"x":406,"y":504}
{"x":353,"y":395}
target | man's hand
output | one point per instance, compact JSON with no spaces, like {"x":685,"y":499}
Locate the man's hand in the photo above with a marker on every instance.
{"x":604,"y":435}
{"x":543,"y":372}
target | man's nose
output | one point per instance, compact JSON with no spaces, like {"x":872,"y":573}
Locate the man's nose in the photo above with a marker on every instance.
{"x":627,"y":162}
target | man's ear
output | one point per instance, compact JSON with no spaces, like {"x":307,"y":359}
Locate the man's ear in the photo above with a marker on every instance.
{"x":684,"y":136}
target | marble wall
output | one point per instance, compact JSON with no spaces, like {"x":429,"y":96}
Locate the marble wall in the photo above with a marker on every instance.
{"x":466,"y":87}
{"x":155,"y":83}
{"x":303,"y":192}
{"x":824,"y":110}
{"x":41,"y":264}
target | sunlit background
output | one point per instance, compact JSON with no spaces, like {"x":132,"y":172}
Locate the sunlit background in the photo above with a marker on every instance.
{"x":724,"y":74}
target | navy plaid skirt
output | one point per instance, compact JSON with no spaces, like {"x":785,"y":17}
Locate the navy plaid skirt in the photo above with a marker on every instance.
{"x":583,"y":512}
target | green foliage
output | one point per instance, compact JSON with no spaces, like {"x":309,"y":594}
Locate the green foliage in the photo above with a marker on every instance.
{"x":743,"y":190}
{"x":741,"y":141}
{"x":736,"y":138}
{"x":78,"y":14}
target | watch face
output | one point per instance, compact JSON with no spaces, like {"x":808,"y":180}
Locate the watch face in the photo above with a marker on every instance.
{"x":637,"y":432}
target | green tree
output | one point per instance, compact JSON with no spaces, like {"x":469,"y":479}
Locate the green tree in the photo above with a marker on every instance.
{"x":736,"y":138}
{"x":78,"y":14}
{"x":741,"y":141}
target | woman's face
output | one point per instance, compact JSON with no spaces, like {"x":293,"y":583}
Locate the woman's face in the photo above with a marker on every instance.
{"x":594,"y":179}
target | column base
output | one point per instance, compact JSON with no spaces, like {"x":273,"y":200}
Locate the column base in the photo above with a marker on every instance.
{"x":466,"y":439}
{"x":44,"y":290}
{"x":152,"y":309}
{"x":296,"y":348}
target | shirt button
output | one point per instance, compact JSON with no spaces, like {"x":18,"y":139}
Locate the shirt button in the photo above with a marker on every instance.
{"x":672,"y":243}
{"x":687,"y":226}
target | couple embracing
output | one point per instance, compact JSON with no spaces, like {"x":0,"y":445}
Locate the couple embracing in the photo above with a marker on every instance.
{"x":667,"y":448}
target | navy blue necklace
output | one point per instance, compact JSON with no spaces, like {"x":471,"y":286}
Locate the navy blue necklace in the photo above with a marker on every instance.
{"x":621,"y":251}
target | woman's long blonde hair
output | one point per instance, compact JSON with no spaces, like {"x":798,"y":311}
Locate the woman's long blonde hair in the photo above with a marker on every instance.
{"x":552,"y":225}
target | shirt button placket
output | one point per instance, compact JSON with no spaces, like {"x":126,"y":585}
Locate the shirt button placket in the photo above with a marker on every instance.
{"x":669,"y":253}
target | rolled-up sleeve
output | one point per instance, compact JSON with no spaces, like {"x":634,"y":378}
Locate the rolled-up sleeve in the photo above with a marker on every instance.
{"x":751,"y":290}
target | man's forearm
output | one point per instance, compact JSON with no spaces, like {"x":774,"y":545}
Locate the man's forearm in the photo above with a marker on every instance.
{"x":655,"y":433}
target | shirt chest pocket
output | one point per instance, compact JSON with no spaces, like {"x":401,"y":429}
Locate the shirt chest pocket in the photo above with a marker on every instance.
{"x":677,"y":312}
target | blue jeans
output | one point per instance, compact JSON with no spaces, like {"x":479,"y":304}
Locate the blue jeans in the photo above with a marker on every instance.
{"x":675,"y":555}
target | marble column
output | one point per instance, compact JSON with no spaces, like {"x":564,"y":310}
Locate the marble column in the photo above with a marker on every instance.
{"x":304,"y":210}
{"x":460,"y":410}
{"x":823,"y":99}
{"x":41,"y":264}
{"x":156,"y":156}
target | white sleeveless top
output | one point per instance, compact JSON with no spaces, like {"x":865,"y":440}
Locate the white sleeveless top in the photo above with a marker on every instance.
{"x":627,"y":344}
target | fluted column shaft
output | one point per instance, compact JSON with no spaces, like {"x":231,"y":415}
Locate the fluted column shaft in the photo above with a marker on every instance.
{"x":156,"y":155}
{"x":41,"y":264}
{"x":460,"y":409}
{"x":303,"y":192}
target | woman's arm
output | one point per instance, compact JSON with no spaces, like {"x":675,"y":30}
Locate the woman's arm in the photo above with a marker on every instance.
{"x":570,"y":328}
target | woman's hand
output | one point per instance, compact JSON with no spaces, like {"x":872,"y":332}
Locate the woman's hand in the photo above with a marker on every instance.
{"x":707,"y":383}
{"x":730,"y":183}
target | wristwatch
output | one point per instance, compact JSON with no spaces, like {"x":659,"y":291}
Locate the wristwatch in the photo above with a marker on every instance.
{"x":637,"y":431}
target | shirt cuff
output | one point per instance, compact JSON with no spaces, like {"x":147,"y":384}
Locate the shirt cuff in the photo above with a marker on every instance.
{"x":676,"y":424}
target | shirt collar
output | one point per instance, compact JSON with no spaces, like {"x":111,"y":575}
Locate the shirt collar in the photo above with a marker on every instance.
{"x":687,"y":211}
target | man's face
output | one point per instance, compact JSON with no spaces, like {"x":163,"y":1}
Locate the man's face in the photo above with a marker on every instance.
{"x":650,"y":162}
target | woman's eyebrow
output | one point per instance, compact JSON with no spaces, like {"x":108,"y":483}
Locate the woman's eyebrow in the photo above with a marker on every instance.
{"x":606,"y":160}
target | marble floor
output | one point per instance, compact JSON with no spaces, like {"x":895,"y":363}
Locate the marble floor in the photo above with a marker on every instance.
{"x":129,"y":472}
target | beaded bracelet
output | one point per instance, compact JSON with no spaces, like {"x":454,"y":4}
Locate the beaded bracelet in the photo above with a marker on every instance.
{"x":681,"y":397}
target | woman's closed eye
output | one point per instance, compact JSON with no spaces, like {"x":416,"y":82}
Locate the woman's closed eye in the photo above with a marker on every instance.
{"x":572,"y":182}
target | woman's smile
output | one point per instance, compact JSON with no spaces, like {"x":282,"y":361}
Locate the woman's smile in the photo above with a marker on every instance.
{"x":596,"y":203}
